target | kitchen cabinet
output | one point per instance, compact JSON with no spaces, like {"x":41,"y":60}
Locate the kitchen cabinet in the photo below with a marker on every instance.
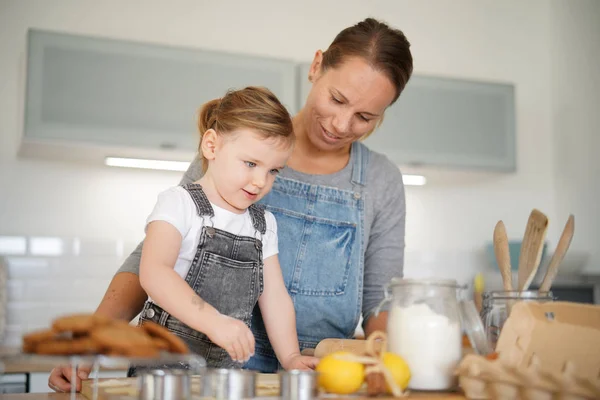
{"x":88,"y":98}
{"x":447,"y":123}
{"x":130,"y":99}
{"x":13,"y":383}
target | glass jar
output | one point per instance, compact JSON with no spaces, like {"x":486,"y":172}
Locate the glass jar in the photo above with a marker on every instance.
{"x":424,"y":329}
{"x":496,"y":307}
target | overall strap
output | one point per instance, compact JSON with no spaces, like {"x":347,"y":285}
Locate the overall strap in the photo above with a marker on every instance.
{"x":360,"y":153}
{"x":202,"y":204}
{"x":257,"y":213}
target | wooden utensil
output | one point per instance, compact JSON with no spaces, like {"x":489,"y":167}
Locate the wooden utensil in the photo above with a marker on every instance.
{"x":327,"y":346}
{"x":561,"y":249}
{"x":531,"y":248}
{"x":503,"y":255}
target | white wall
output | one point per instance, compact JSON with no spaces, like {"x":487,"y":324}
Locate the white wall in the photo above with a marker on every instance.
{"x":488,"y":40}
{"x":576,"y":118}
{"x":507,"y":41}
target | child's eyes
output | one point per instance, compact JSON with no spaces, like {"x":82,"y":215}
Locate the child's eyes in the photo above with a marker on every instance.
{"x":250,"y":164}
{"x":274,"y":171}
{"x":336,"y":100}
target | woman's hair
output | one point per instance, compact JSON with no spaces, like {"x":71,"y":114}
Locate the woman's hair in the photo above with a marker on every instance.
{"x":386,"y":49}
{"x":255,"y":108}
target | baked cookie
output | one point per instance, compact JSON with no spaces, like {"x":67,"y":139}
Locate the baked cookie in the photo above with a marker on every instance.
{"x":161,"y":344}
{"x":33,"y":338}
{"x":142,"y":351}
{"x":176,"y":345}
{"x":121,"y":338}
{"x":85,"y":345}
{"x":79,"y":323}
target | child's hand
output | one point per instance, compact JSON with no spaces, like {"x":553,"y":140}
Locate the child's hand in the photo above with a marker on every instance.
{"x":298,"y":361}
{"x":233,"y":336}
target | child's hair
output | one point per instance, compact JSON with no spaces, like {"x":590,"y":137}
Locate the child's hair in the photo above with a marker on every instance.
{"x":254,"y":108}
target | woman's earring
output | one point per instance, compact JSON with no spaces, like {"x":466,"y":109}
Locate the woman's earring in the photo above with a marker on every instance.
{"x":310,"y":78}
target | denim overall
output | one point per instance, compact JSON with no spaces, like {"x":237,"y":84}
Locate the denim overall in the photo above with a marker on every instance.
{"x":226,"y":272}
{"x":321,"y":252}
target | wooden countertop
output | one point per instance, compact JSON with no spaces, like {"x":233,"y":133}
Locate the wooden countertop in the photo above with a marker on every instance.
{"x":264,"y":378}
{"x":79,"y":396}
{"x":14,"y":362}
{"x":41,"y":396}
{"x":267,"y":386}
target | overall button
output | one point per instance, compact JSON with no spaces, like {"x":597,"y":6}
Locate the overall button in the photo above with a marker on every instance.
{"x":356,"y":196}
{"x":210,"y":231}
{"x":149,"y":313}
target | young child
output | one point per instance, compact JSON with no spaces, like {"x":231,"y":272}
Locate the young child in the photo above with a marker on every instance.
{"x":210,"y":252}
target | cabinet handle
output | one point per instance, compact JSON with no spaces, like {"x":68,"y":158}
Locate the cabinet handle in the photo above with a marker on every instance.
{"x":168,"y":146}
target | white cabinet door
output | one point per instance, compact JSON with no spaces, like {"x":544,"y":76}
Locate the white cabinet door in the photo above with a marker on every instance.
{"x":95,"y":91}
{"x":447,"y":123}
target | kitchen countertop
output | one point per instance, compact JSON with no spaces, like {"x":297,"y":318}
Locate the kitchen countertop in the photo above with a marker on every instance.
{"x":16,"y":363}
{"x":66,"y":396}
{"x":25,"y":368}
{"x":262,"y":378}
{"x":41,"y":396}
{"x":23,"y":365}
{"x":267,"y":385}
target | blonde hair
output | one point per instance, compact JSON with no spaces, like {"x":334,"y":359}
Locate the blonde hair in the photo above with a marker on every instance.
{"x":254,"y":108}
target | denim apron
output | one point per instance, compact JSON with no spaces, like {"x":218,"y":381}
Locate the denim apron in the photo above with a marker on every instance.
{"x":226,"y":272}
{"x":321,"y":252}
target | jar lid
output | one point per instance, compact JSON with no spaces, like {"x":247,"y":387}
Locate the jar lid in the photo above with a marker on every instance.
{"x":473,"y":326}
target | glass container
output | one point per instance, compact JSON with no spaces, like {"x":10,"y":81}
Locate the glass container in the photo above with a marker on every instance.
{"x":424,"y":328}
{"x":496,"y":308}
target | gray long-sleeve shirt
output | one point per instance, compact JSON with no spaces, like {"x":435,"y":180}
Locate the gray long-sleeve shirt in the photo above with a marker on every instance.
{"x":385,"y":216}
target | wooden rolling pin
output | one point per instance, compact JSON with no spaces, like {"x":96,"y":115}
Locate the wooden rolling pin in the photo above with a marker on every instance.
{"x":327,"y":346}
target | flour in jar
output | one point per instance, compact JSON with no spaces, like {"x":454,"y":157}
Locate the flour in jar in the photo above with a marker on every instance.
{"x":429,"y":342}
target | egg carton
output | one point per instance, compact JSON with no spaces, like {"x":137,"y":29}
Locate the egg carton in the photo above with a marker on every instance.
{"x":482,"y":378}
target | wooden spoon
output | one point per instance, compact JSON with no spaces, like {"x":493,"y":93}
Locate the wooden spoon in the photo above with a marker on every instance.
{"x":531,"y":248}
{"x":561,"y":249}
{"x":503,"y":255}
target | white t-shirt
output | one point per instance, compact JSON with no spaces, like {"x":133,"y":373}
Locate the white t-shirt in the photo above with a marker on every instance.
{"x":175,"y":206}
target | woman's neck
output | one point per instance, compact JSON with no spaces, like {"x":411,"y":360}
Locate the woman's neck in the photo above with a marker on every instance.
{"x":309,"y":159}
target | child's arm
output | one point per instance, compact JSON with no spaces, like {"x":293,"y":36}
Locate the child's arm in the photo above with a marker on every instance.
{"x":171,"y":292}
{"x":279,"y":317}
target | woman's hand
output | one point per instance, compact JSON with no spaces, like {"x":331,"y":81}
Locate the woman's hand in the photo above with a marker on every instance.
{"x":60,"y":378}
{"x":298,"y":361}
{"x":233,"y":336}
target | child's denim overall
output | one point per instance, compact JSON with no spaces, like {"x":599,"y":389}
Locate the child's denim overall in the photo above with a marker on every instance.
{"x":226,"y":272}
{"x":321,"y":252}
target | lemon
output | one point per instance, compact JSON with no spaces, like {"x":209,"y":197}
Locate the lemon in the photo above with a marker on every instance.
{"x":340,"y":376}
{"x":399,"y":369}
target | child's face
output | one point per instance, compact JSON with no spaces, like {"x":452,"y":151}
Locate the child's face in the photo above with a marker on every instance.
{"x":244,"y":166}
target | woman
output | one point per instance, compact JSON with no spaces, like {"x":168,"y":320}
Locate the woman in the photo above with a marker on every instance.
{"x":340,"y":207}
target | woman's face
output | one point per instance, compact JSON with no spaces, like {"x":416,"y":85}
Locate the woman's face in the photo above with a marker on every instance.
{"x":345,"y":103}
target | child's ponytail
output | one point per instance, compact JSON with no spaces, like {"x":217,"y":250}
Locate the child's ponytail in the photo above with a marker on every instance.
{"x":207,"y":116}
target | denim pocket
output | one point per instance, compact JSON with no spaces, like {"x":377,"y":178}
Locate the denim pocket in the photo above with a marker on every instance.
{"x":231,"y":286}
{"x":315,"y":253}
